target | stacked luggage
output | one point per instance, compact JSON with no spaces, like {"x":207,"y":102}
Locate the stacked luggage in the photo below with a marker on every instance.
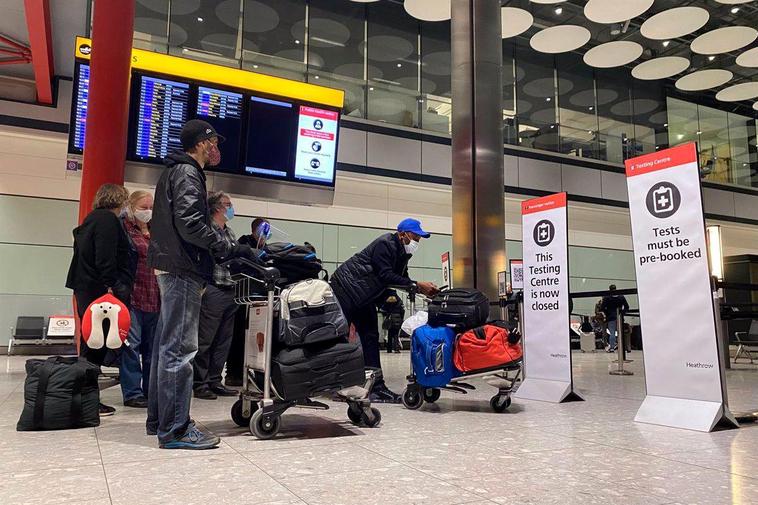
{"x":457,"y":343}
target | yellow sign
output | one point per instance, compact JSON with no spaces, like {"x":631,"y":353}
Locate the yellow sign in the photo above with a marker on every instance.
{"x":233,"y":77}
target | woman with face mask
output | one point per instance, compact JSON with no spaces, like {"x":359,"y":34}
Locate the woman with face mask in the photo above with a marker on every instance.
{"x":145,"y":307}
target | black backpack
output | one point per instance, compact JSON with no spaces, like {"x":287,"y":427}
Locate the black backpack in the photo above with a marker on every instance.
{"x":463,"y":309}
{"x":295,"y":262}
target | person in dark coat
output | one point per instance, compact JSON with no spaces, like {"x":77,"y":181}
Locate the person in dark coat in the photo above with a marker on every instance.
{"x":611,"y":305}
{"x":394,"y":314}
{"x":361,"y":280}
{"x":104,"y":262}
{"x":183,"y":251}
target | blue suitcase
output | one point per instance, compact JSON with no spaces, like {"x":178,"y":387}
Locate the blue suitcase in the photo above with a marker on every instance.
{"x":432,"y":355}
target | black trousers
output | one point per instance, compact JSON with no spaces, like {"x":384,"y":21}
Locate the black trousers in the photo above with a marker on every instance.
{"x":217,"y":312}
{"x":393,"y":339}
{"x":366,"y":324}
{"x":236,"y":360}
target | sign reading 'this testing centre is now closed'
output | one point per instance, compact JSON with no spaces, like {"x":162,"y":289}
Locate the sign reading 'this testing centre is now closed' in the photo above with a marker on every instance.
{"x":683,"y":369}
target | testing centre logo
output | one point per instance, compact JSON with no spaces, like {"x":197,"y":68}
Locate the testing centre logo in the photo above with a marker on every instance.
{"x":663,"y":200}
{"x":544,"y":232}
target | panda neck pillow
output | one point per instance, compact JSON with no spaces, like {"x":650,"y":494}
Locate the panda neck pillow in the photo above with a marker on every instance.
{"x":109,"y":308}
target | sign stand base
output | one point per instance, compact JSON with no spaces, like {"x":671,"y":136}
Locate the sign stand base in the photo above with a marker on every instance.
{"x":547,"y":391}
{"x":687,"y":414}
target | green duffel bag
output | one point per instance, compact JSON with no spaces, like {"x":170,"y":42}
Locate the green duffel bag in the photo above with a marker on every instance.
{"x":60,"y":393}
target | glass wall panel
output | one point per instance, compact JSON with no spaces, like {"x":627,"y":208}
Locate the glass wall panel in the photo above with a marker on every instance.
{"x":435,"y":77}
{"x":207,"y":31}
{"x":682,"y":121}
{"x":713,"y":137}
{"x":393,"y":65}
{"x":151,"y":25}
{"x":336,"y":34}
{"x":576,"y":107}
{"x":536,"y":105}
{"x":649,"y":118}
{"x":614,"y":111}
{"x":273,"y":37}
{"x":742,"y":135}
{"x":510,"y":124}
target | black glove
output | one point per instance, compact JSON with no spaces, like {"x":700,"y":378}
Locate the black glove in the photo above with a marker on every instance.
{"x":247,"y":252}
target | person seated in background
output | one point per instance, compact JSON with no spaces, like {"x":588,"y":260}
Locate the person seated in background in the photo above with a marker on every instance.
{"x":102,"y":263}
{"x":613,"y":304}
{"x":361,"y":280}
{"x":260,"y":232}
{"x":217,"y":311}
{"x":393,"y":310}
{"x":145,"y":304}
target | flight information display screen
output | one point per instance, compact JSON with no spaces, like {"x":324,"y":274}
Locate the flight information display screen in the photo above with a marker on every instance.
{"x":223,"y":110}
{"x":162,"y":110}
{"x":269,"y":137}
{"x":79,"y":110}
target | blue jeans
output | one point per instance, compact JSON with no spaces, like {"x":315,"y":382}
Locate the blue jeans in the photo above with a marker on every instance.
{"x":613,"y":330}
{"x":173,"y":350}
{"x":135,"y":377}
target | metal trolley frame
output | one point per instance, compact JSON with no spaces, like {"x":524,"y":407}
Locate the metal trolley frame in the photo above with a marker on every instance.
{"x":260,"y":406}
{"x":505,"y":378}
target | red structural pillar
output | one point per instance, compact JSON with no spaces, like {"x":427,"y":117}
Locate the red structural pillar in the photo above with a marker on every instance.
{"x":107,"y":110}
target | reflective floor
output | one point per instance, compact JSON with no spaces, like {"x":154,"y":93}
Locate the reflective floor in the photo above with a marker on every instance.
{"x":455,"y":451}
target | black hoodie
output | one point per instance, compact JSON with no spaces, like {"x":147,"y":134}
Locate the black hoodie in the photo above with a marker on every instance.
{"x":181,"y":237}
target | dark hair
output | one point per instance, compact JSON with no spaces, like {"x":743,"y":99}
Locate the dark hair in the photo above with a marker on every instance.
{"x":612,"y":287}
{"x":214,"y":201}
{"x":310,"y":247}
{"x":257,"y":222}
{"x":110,"y":196}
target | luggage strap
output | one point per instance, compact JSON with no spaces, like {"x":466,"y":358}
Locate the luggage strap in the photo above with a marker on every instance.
{"x":76,"y":398}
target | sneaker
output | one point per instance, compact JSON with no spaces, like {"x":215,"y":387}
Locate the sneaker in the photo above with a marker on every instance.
{"x":233,"y":382}
{"x":106,"y":410}
{"x":383,"y":394}
{"x":397,"y":351}
{"x":205,"y":393}
{"x":139,"y":402}
{"x":220,"y":390}
{"x":193,"y":439}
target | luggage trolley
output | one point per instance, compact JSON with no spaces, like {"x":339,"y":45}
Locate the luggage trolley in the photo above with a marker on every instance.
{"x":260,"y":406}
{"x":504,"y":378}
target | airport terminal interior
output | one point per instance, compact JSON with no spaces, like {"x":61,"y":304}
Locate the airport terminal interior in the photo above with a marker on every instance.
{"x":604,"y":266}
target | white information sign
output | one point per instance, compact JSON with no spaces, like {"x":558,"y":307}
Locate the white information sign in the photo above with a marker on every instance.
{"x":517,"y":274}
{"x":683,"y":368}
{"x":316,"y":144}
{"x":547,"y":353}
{"x":61,"y":326}
{"x":446,"y":279}
{"x":256,"y":337}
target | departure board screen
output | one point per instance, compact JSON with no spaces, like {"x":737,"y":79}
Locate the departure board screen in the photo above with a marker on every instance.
{"x":223,"y":110}
{"x":162,"y":110}
{"x":271,"y":129}
{"x":79,"y":112}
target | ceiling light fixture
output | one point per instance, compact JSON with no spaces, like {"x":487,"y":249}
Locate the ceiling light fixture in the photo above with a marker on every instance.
{"x":255,"y":66}
{"x":399,"y":65}
{"x":666,"y":43}
{"x":592,"y":108}
{"x":547,"y":99}
{"x":297,"y":41}
{"x":735,"y":10}
{"x":665,"y":125}
{"x":559,"y":10}
{"x":200,"y":19}
{"x":699,"y":132}
{"x":371,"y":88}
{"x":711,"y":58}
{"x":315,"y":77}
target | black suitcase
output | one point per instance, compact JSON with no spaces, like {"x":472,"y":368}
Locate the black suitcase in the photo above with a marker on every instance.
{"x":462,"y":308}
{"x":302,"y":372}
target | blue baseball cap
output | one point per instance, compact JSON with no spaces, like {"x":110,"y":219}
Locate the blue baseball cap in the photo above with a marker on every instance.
{"x":413,"y":226}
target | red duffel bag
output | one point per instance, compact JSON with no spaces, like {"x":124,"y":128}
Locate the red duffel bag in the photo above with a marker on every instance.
{"x":487,"y":346}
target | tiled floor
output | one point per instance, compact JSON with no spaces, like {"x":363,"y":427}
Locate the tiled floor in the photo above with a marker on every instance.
{"x":456,"y":451}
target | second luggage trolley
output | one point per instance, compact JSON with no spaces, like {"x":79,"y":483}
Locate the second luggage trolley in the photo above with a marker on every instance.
{"x":504,"y":378}
{"x":260,"y":405}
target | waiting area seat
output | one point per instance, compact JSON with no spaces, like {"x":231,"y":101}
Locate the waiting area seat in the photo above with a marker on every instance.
{"x":745,"y":341}
{"x":33,"y":330}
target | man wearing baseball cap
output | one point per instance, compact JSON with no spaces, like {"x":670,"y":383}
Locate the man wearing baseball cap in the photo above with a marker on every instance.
{"x":183,"y":249}
{"x":361,"y":281}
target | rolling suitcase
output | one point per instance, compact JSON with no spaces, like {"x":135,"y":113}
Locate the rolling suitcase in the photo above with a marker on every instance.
{"x":432,"y":355}
{"x":463,"y":309}
{"x":301,"y":372}
{"x":310,"y":313}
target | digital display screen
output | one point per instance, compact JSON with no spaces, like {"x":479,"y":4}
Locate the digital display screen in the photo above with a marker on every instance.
{"x":81,"y":97}
{"x":270,"y":130}
{"x":223,"y":110}
{"x":162,"y":110}
{"x":316,"y":144}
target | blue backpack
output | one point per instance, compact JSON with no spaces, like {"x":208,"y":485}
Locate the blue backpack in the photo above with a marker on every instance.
{"x":432,"y":355}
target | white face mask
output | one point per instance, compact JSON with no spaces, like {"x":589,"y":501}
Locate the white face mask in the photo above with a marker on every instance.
{"x":143,"y":215}
{"x":411,"y":247}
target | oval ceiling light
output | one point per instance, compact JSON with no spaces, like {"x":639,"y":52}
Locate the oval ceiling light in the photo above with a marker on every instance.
{"x":724,"y":40}
{"x":660,"y":68}
{"x":364,"y":1}
{"x":615,"y":11}
{"x":704,"y":79}
{"x":674,"y":23}
{"x":738,"y":92}
{"x":613,"y":54}
{"x":428,"y":10}
{"x":749,"y":58}
{"x":547,"y":2}
{"x":733,"y":2}
{"x":560,"y":39}
{"x":514,"y":21}
{"x":755,"y":105}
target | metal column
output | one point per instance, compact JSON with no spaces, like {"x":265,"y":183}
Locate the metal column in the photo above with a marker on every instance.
{"x":478,"y":182}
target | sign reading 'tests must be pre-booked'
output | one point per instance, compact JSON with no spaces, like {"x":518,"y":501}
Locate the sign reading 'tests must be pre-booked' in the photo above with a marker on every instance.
{"x":673,"y":283}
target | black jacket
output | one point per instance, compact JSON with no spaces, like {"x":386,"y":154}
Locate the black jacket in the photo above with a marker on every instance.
{"x":101,"y":256}
{"x":612,"y":303}
{"x":181,"y":238}
{"x":363,"y":278}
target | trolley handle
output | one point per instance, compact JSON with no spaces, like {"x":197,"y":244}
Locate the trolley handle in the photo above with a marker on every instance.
{"x":269,"y":275}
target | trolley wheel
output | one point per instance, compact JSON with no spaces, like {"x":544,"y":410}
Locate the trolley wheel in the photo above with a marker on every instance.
{"x":431,"y":395}
{"x":266,"y":427}
{"x":371,"y":423}
{"x":354,"y":413}
{"x":237,"y":416}
{"x":500,"y":402}
{"x":412,"y":399}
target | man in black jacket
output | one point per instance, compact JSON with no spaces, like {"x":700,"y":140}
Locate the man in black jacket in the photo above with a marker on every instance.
{"x":611,"y":305}
{"x":361,"y":280}
{"x":182,"y":250}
